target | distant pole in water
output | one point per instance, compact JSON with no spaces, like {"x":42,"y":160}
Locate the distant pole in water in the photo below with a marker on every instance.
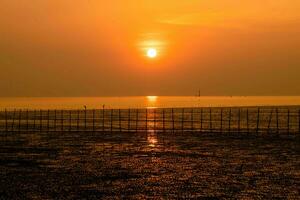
{"x":221,"y":120}
{"x":41,"y":120}
{"x":62,"y":120}
{"x":299,"y":121}
{"x":103,"y":106}
{"x":6,"y":120}
{"x":164,"y":127}
{"x":257,"y":123}
{"x":229,"y":121}
{"x":84,"y":117}
{"x":277,"y":121}
{"x":270,"y":120}
{"x":288,"y":121}
{"x":19,"y":126}
{"x":136,"y":120}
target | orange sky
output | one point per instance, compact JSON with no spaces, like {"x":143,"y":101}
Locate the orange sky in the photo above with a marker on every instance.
{"x":97,"y":47}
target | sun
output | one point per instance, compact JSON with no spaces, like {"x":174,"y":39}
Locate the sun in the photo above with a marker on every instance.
{"x":151,"y":53}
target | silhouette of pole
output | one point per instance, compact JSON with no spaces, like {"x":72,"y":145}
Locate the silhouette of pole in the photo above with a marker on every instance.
{"x":257,"y":123}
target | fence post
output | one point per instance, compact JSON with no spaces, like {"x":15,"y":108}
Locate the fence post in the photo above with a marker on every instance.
{"x":34,"y":116}
{"x":221,"y":120}
{"x":78,"y":118}
{"x":13,"y":121}
{"x":62,"y":120}
{"x":182,"y":120}
{"x":48,"y":113}
{"x":201,"y":118}
{"x":164,"y":127}
{"x":299,"y":121}
{"x":111,"y":119}
{"x":128,"y":129}
{"x":41,"y":120}
{"x":6,"y":128}
{"x":288,"y":121}
{"x":103,"y":118}
{"x":154,"y":116}
{"x":27,"y":119}
{"x":173,"y":125}
{"x":257,"y":123}
{"x":239,"y":122}
{"x":247,"y":120}
{"x":120,"y":123}
{"x":136,"y":120}
{"x":146,"y":119}
{"x":229,"y":120}
{"x":277,"y":121}
{"x":93,"y":120}
{"x":70,"y":120}
{"x":210,"y":120}
{"x":19,"y":126}
{"x":270,"y":120}
{"x":54,"y":120}
{"x":85,"y":118}
{"x":192,"y":119}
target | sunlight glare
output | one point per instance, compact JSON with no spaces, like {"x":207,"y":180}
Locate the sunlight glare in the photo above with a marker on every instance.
{"x":151,"y":53}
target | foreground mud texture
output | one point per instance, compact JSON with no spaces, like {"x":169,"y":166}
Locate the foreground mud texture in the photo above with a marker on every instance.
{"x":148,"y":165}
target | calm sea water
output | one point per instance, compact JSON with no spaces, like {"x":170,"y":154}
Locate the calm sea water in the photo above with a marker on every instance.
{"x":145,"y":102}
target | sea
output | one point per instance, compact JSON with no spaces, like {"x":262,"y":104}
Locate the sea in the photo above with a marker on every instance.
{"x":146,"y":102}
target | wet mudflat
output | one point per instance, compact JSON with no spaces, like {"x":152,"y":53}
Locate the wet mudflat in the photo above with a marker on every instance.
{"x":148,"y":165}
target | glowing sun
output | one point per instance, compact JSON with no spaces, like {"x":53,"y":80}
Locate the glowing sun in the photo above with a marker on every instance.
{"x":152,"y":53}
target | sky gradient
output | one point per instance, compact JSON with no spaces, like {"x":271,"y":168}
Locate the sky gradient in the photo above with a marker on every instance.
{"x":98,"y":47}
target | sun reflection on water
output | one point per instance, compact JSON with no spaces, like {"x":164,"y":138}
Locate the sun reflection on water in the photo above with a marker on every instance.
{"x":152,"y":102}
{"x":152,"y":139}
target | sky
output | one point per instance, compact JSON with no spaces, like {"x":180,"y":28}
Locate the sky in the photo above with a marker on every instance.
{"x":52,"y":48}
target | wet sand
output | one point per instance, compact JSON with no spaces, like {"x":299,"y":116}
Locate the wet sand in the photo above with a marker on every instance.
{"x":148,"y":165}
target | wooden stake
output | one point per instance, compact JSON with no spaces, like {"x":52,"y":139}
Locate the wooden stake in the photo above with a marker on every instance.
{"x":78,"y":118}
{"x":136,"y":120}
{"x":103,"y":119}
{"x":19,"y":126}
{"x":173,"y":125}
{"x":27,"y":119}
{"x":288,"y":121}
{"x":277,"y":121}
{"x":270,"y":120}
{"x":164,"y":127}
{"x":257,"y":123}
{"x":62,"y":120}
{"x":299,"y":121}
{"x":154,"y":116}
{"x":34,"y":116}
{"x":247,"y":120}
{"x":229,"y":120}
{"x":182,"y":120}
{"x":201,"y":118}
{"x":93,"y":120}
{"x":85,"y":118}
{"x":239,"y":122}
{"x":41,"y":121}
{"x":6,"y":123}
{"x":120,"y":123}
{"x":111,"y":120}
{"x":221,"y":120}
{"x":48,"y":120}
{"x":13,"y":120}
{"x":146,"y":120}
{"x":192,"y":119}
{"x":54,"y":120}
{"x":210,"y":120}
{"x":70,"y":120}
{"x":128,"y":123}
